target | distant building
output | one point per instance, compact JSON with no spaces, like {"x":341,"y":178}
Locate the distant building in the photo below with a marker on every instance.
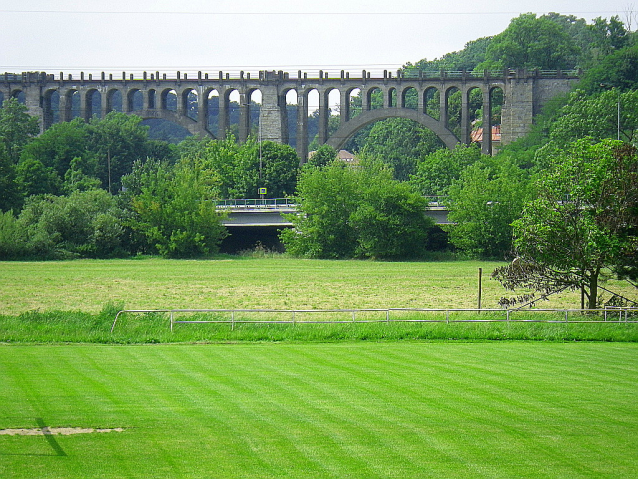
{"x":343,"y":155}
{"x":476,"y":136}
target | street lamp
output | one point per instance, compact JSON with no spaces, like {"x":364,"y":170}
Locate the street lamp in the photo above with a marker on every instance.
{"x":604,"y":85}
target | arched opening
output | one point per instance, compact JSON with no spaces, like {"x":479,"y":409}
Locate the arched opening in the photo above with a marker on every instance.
{"x":354,"y":102}
{"x":392,"y":98}
{"x":93,"y":104}
{"x":51,"y":108}
{"x":232,"y":99}
{"x":398,"y":141}
{"x":1,"y":99}
{"x":497,"y":100}
{"x":190,"y":106}
{"x":289,"y":116}
{"x":253,"y":105}
{"x":168,"y":100}
{"x":374,"y":98}
{"x":135,"y":100}
{"x":152,"y":99}
{"x":73,"y":105}
{"x":212,"y":110}
{"x":114,"y":100}
{"x":165,"y":130}
{"x":475,"y":114}
{"x":432,"y":103}
{"x":20,"y":96}
{"x":410,"y":98}
{"x":312,"y":102}
{"x":453,"y":106}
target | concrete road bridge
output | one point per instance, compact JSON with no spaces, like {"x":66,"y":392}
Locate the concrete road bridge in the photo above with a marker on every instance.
{"x":185,"y":99}
{"x":270,"y":212}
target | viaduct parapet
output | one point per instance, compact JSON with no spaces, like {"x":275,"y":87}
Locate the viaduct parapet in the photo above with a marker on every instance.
{"x":50,"y":97}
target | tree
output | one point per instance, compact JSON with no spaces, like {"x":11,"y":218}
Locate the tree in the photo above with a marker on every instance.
{"x":356,"y":212}
{"x":17,"y":128}
{"x":59,"y":145}
{"x":436,"y":172}
{"x":399,"y":143}
{"x":174,"y":208}
{"x":595,"y":116}
{"x":482,"y":204}
{"x":10,"y":196}
{"x":83,"y":224}
{"x":582,"y":225}
{"x":323,"y":156}
{"x":117,"y":140}
{"x":531,"y":42}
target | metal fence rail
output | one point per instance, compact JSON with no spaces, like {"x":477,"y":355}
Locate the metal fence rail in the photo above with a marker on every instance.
{"x":388,"y":315}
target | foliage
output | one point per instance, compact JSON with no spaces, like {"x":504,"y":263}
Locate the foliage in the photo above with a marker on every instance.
{"x":399,"y":143}
{"x":619,"y":70}
{"x":531,"y":42}
{"x":583,"y":222}
{"x":482,"y":204}
{"x":10,"y":195}
{"x":117,"y":140}
{"x":244,"y":168}
{"x":436,"y":172}
{"x":83,"y":224}
{"x":346,"y":212}
{"x":174,"y":208}
{"x":17,"y":128}
{"x":322,"y":156}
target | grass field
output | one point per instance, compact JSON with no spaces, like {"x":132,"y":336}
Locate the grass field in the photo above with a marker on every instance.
{"x":281,"y":283}
{"x":360,"y":410}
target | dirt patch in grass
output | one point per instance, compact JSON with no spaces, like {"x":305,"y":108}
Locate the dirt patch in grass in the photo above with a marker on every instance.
{"x":55,"y":431}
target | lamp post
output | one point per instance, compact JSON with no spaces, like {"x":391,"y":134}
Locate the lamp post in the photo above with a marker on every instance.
{"x":604,"y":85}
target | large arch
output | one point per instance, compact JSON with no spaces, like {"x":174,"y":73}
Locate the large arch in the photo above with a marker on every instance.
{"x":339,"y":138}
{"x":193,"y":126}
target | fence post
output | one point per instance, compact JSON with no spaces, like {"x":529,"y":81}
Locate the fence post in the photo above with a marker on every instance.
{"x":232,"y":320}
{"x":171,"y":321}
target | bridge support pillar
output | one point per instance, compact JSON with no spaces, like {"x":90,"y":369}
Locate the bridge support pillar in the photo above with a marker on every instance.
{"x":302,"y":127}
{"x":486,"y":144}
{"x":271,"y":117}
{"x":244,"y":117}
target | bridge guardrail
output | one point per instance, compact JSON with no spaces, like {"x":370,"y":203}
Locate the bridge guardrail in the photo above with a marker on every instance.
{"x":287,"y":203}
{"x":261,"y":203}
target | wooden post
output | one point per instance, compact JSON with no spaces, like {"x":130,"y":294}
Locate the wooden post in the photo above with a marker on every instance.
{"x":480,"y":286}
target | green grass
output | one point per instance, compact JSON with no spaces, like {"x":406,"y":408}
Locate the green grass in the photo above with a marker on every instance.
{"x":362,"y":410}
{"x":275,"y":283}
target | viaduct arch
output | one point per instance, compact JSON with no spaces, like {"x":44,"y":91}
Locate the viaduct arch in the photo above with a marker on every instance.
{"x":150,"y":95}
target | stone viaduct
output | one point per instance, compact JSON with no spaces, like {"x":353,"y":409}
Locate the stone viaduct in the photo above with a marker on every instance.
{"x":524,"y":92}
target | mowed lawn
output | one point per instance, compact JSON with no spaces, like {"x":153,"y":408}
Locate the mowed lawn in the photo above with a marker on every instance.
{"x":349,"y":409}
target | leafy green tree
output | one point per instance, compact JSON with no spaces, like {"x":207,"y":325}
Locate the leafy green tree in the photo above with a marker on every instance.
{"x":83,"y":224}
{"x":17,"y":128}
{"x":117,"y":140}
{"x":59,"y":145}
{"x":531,"y":42}
{"x":174,"y":209}
{"x":436,"y":172}
{"x":595,"y":116}
{"x":390,"y":221}
{"x":582,"y":225}
{"x":326,"y":197}
{"x":399,"y":143}
{"x":36,"y":179}
{"x":323,"y":156}
{"x":356,"y":212}
{"x":10,"y":196}
{"x":482,"y":204}
{"x":619,"y":70}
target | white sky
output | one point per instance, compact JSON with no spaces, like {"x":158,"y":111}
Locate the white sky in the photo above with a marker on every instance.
{"x":232,"y":35}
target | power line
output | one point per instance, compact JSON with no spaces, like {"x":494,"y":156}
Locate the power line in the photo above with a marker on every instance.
{"x":150,"y":12}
